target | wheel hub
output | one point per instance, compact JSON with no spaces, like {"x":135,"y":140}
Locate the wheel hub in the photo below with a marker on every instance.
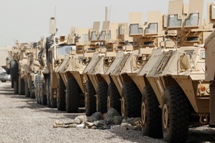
{"x":165,"y":116}
{"x":123,"y":107}
{"x":144,"y":114}
{"x":108,"y":102}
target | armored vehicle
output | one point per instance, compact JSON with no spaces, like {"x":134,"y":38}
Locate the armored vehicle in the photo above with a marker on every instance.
{"x":112,"y":39}
{"x":71,"y":77}
{"x":174,"y":79}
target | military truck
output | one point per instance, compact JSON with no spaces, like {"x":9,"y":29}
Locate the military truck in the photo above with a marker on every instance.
{"x":175,"y":94}
{"x":71,"y":76}
{"x":70,"y":65}
{"x":112,"y":39}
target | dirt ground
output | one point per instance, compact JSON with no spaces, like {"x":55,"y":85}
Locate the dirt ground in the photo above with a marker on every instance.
{"x":23,"y":120}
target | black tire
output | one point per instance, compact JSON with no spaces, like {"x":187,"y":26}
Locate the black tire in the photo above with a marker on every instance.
{"x":12,"y":83}
{"x":53,"y":101}
{"x":102,"y":92}
{"x":41,"y":89}
{"x":15,"y":83}
{"x":27,"y":92}
{"x":151,"y":114}
{"x":175,"y":115}
{"x":114,"y":97}
{"x":72,"y":95}
{"x":47,"y":91}
{"x":37,"y":95}
{"x":90,"y":99}
{"x":21,"y":86}
{"x":132,"y":100}
{"x":61,"y":97}
{"x":14,"y":70}
{"x":32,"y":90}
{"x":3,"y":80}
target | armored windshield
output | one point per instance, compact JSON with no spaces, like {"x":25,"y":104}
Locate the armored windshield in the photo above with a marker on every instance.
{"x":84,"y":38}
{"x":173,"y":21}
{"x":152,"y":28}
{"x":193,"y":20}
{"x":64,"y":50}
{"x":135,"y":29}
{"x":213,"y":12}
{"x":102,"y":35}
{"x":93,"y":35}
{"x":122,"y":30}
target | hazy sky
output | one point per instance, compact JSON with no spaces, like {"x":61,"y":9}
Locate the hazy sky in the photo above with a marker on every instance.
{"x":28,"y":20}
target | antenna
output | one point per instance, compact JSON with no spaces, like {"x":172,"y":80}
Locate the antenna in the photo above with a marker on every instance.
{"x":109,"y":13}
{"x":106,"y":13}
{"x":55,"y":12}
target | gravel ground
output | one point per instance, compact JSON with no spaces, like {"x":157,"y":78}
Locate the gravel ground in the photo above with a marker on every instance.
{"x":23,"y":120}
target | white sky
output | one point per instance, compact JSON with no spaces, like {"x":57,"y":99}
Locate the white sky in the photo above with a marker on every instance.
{"x":28,"y":20}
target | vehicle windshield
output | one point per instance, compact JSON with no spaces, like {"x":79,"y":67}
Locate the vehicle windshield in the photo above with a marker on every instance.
{"x":102,"y":35}
{"x":64,"y":50}
{"x":213,"y":12}
{"x":135,"y":29}
{"x":93,"y":35}
{"x":173,"y":21}
{"x":193,"y":20}
{"x":152,"y":28}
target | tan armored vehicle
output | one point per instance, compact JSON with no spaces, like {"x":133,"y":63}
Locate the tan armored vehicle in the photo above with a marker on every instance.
{"x":71,"y":70}
{"x":76,"y":40}
{"x":112,"y":39}
{"x":209,"y":67}
{"x":174,"y":79}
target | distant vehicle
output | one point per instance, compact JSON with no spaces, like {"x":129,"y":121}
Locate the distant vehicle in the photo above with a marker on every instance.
{"x":3,"y":75}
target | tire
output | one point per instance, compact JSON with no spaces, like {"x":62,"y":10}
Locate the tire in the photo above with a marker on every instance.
{"x":12,"y":84}
{"x":102,"y":92}
{"x":90,"y":99}
{"x":61,"y":97}
{"x":3,"y":80}
{"x":72,"y":95}
{"x":27,"y":92}
{"x":21,"y":86}
{"x":131,"y":100}
{"x":53,"y":101}
{"x":114,"y":97}
{"x":15,"y":83}
{"x":32,"y":90}
{"x":14,"y":70}
{"x":151,"y":114}
{"x":175,"y":115}
{"x":41,"y":87}
{"x":47,"y":91}
{"x":37,"y":95}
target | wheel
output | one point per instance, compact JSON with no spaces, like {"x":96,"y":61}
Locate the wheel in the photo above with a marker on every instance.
{"x":15,"y":83}
{"x":61,"y":97}
{"x":12,"y":83}
{"x":14,"y":70}
{"x":114,"y":98}
{"x":72,"y":95}
{"x":47,"y":91}
{"x":37,"y":95}
{"x":41,"y":88}
{"x":53,"y":101}
{"x":3,"y":80}
{"x":27,"y":92}
{"x":175,"y":115}
{"x":151,"y":114}
{"x":131,"y":100}
{"x":102,"y":97}
{"x":21,"y":86}
{"x":32,"y":89}
{"x":90,"y":99}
